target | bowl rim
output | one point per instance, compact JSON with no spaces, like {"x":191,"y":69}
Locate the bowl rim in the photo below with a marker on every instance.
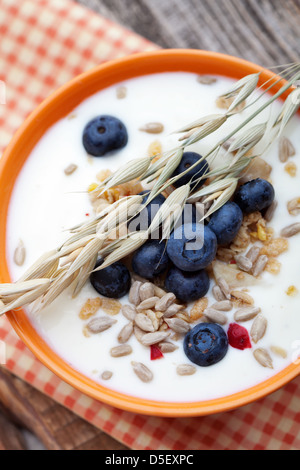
{"x":54,"y":107}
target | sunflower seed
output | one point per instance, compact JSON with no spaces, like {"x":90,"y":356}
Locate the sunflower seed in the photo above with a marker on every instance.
{"x":147,"y":304}
{"x":138,"y":333}
{"x":121,"y":92}
{"x":99,"y":324}
{"x":146,"y":291}
{"x":290,"y":230}
{"x":263,"y":357}
{"x":243,"y":263}
{"x":224,"y":288}
{"x":167,"y":347}
{"x":185,"y":369}
{"x":268,"y":216}
{"x":164,"y":303}
{"x":153,"y":338}
{"x":215,"y":316}
{"x":178,"y":325}
{"x":152,"y":128}
{"x":106,"y":375}
{"x":279,"y":351}
{"x":224,"y":305}
{"x":172,"y":310}
{"x":155,"y":319}
{"x":247,"y":313}
{"x":125,"y":333}
{"x":258,"y":328}
{"x":129,"y":312}
{"x":286,"y":149}
{"x":206,"y":79}
{"x":144,"y":322}
{"x":242,"y":297}
{"x":70,"y":169}
{"x":253,"y":253}
{"x":20,"y":254}
{"x":134,"y":295}
{"x":120,"y":351}
{"x":260,"y":265}
{"x":293,"y":206}
{"x":142,"y":371}
{"x":218,"y":294}
{"x":159,"y":292}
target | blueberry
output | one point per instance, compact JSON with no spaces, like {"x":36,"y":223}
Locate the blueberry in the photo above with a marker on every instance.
{"x":104,"y":134}
{"x":206,"y":344}
{"x":255,"y":195}
{"x":113,"y":281}
{"x":150,"y":259}
{"x":192,"y":247}
{"x":226,"y":222}
{"x":188,"y":159}
{"x":143,"y":220}
{"x":187,"y":286}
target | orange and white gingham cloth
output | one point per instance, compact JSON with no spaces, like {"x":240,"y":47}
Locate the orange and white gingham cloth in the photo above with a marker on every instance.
{"x":43,"y":44}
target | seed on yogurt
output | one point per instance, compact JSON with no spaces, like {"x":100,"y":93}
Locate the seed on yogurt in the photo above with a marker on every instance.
{"x":125,"y":333}
{"x":290,"y":230}
{"x":185,"y":369}
{"x":242,"y":297}
{"x":258,"y":329}
{"x":286,"y":149}
{"x":142,"y":371}
{"x":223,"y":305}
{"x":20,"y":254}
{"x":121,"y":92}
{"x":243,"y":263}
{"x":260,"y":265}
{"x":263,"y":357}
{"x":245,"y":314}
{"x":152,"y":128}
{"x":70,"y":169}
{"x":146,"y":291}
{"x":147,"y":303}
{"x":144,"y":322}
{"x":120,"y":351}
{"x":217,"y":293}
{"x":206,"y":79}
{"x":178,"y":325}
{"x":167,"y":347}
{"x":253,"y":253}
{"x":134,"y":296}
{"x":215,"y":316}
{"x":164,"y":303}
{"x":99,"y":324}
{"x":153,"y":338}
{"x":224,"y":288}
{"x":293,"y":206}
{"x":172,"y":310}
{"x":129,"y":312}
{"x":106,"y":375}
{"x":279,"y":351}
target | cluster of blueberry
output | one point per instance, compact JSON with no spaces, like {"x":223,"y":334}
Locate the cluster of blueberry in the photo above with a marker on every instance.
{"x":191,"y":247}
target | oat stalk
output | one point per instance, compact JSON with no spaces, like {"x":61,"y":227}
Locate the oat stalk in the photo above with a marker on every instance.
{"x":70,"y":265}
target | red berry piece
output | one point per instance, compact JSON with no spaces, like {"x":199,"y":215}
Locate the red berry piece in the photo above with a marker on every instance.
{"x":155,"y":352}
{"x":238,"y":337}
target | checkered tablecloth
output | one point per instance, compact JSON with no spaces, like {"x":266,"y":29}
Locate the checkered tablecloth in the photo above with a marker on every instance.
{"x":43,"y":44}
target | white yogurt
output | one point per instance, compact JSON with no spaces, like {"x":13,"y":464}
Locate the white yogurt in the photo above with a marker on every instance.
{"x":45,"y":202}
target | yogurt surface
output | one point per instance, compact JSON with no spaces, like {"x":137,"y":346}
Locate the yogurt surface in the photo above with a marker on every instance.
{"x":46,"y":202}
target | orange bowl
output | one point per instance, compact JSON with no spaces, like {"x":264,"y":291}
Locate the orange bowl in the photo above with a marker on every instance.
{"x":55,"y":107}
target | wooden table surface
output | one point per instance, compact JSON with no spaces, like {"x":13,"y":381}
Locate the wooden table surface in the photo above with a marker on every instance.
{"x":263,"y":31}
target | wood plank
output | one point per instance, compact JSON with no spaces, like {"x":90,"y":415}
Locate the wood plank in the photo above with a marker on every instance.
{"x":264,"y":31}
{"x":55,"y":426}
